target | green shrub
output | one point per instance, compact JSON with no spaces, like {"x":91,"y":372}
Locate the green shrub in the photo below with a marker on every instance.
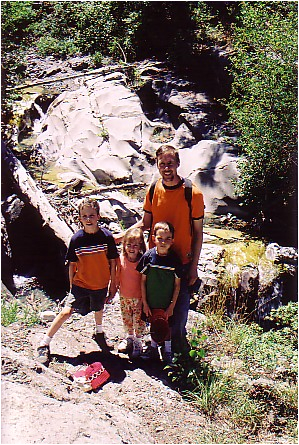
{"x":16,"y":20}
{"x":286,"y":316}
{"x":268,"y":350}
{"x":242,"y":375}
{"x":263,"y":105}
{"x":60,"y":48}
{"x":9,"y":312}
{"x":97,"y":59}
{"x":14,"y":310}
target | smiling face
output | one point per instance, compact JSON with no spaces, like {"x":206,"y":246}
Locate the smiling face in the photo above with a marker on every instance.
{"x":132,"y":248}
{"x":168,"y":164}
{"x":163,"y":240}
{"x":89,"y":219}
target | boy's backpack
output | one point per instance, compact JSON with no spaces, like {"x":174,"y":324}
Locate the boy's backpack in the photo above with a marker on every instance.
{"x":188,"y":196}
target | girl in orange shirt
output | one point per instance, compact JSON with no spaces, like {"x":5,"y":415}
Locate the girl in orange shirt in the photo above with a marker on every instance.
{"x":129,"y":281}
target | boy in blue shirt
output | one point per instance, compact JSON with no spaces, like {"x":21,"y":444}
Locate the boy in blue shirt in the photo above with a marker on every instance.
{"x":160,"y":285}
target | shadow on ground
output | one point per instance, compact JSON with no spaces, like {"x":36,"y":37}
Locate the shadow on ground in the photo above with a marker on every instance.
{"x":117,"y":365}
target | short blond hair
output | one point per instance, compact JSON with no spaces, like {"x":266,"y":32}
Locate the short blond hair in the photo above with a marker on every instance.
{"x":89,"y":202}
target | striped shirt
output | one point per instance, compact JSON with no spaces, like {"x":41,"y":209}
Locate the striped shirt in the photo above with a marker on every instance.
{"x":92,"y":252}
{"x":160,"y":272}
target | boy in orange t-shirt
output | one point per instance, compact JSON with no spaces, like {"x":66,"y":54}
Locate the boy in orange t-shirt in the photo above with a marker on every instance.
{"x":92,"y":257}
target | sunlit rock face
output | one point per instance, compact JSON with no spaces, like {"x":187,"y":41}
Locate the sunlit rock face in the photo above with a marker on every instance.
{"x":102,"y":132}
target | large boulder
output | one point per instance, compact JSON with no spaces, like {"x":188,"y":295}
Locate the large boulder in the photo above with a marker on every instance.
{"x":101,"y":131}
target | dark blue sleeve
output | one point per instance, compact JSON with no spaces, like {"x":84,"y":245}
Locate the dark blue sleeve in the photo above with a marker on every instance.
{"x":71,"y":254}
{"x":141,"y":266}
{"x":178,"y":265}
{"x":112,"y":253}
{"x":179,"y":270}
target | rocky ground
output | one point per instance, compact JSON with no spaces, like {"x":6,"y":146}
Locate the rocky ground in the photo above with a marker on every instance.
{"x":41,"y":405}
{"x":137,"y":405}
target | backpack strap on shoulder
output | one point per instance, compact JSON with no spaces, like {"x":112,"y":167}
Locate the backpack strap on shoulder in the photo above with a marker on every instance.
{"x":188,"y":192}
{"x":188,"y":197}
{"x":151,"y":194}
{"x":152,"y":190}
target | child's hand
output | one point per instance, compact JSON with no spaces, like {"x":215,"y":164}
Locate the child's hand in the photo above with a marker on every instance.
{"x":112,"y":290}
{"x":109,"y":299}
{"x":169,"y":311}
{"x":146,"y":309}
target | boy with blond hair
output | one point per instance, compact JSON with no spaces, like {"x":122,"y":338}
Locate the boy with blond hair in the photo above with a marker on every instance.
{"x":92,"y":257}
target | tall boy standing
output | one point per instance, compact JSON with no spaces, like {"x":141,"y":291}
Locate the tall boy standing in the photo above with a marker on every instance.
{"x":92,"y":257}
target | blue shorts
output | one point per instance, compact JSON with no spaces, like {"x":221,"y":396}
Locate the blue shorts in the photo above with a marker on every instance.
{"x":86,"y":300}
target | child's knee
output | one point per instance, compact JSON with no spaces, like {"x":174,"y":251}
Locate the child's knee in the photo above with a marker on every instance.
{"x":66,"y":312}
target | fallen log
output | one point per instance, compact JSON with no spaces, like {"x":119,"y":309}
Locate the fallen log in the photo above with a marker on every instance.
{"x":100,"y":71}
{"x":36,"y":196}
{"x":108,"y":188}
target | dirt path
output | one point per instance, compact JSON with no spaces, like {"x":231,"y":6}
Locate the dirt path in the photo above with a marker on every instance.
{"x":40,"y":405}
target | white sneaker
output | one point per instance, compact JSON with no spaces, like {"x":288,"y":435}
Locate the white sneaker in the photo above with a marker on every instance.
{"x":137,"y":348}
{"x":126,"y":345}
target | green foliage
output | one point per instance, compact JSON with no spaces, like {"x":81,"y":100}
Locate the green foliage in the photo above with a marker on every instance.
{"x":14,"y":310}
{"x":60,"y":48}
{"x":97,"y":59}
{"x":9,"y":312}
{"x":263,"y":104}
{"x":286,"y":316}
{"x":266,"y":349}
{"x":242,"y":375}
{"x":16,"y":21}
{"x":106,"y":28}
{"x":213,"y":20}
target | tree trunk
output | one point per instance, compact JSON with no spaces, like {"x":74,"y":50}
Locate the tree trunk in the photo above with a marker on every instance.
{"x":36,"y":196}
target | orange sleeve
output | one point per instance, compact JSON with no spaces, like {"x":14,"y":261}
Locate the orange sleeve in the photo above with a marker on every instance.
{"x":147,"y":205}
{"x":197,"y":203}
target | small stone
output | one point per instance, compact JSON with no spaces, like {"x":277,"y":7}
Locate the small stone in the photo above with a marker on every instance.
{"x":47,"y":315}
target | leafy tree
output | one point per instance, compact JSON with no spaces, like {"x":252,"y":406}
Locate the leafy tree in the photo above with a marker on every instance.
{"x":263,"y":105}
{"x":106,"y":28}
{"x":16,"y":19}
{"x":262,"y":36}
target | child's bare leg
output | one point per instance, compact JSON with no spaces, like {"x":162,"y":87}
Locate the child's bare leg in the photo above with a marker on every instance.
{"x":43,"y":349}
{"x":98,"y":316}
{"x":59,"y":320}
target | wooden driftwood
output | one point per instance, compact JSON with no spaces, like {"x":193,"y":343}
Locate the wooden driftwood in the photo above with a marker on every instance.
{"x":100,"y":71}
{"x":36,"y":197}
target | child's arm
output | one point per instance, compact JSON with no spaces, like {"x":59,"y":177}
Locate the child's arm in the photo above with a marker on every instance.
{"x":146,"y":308}
{"x":117,"y":273}
{"x":72,"y":271}
{"x":176,"y":291}
{"x":112,"y":285}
